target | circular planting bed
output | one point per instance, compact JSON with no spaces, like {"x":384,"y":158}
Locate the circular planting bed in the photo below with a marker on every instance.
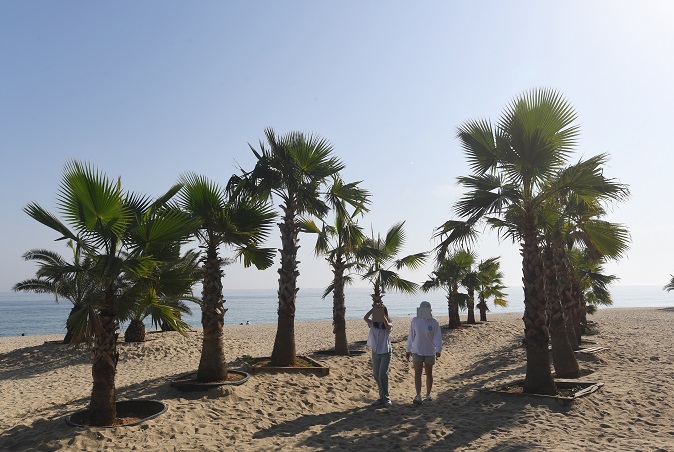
{"x":332,"y":352}
{"x":303,"y":364}
{"x":129,"y":412}
{"x":189,"y":383}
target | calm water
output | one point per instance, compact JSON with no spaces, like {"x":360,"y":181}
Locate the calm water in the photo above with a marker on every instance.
{"x":32,"y":314}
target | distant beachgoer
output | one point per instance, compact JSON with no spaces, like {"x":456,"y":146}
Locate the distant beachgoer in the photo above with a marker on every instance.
{"x":379,"y":340}
{"x":247,"y":322}
{"x":424,"y":343}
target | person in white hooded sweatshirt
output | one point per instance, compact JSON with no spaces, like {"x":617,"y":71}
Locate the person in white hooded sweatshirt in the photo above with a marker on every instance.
{"x":424,"y":343}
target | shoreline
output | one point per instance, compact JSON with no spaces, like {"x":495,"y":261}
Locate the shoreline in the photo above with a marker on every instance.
{"x":441,"y":319}
{"x":43,"y":383}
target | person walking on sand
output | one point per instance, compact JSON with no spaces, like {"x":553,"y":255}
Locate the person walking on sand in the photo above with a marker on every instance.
{"x":424,"y":343}
{"x":379,"y":340}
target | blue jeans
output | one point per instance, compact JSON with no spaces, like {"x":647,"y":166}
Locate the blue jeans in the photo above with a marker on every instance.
{"x":380,"y":365}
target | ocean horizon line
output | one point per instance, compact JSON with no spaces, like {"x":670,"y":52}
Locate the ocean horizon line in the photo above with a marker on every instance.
{"x":38,"y":314}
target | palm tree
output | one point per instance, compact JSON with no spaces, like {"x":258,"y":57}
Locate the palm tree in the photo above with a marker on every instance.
{"x":238,"y":222}
{"x":382,"y":267}
{"x":575,"y":219}
{"x":511,"y":164}
{"x":297,"y":169}
{"x":516,"y":169}
{"x":59,"y":277}
{"x":490,"y":284}
{"x":590,"y":283}
{"x":171,"y":283}
{"x":670,"y":285}
{"x":572,"y":217}
{"x":471,"y":282}
{"x":104,"y":225}
{"x":340,"y":244}
{"x":449,"y":273}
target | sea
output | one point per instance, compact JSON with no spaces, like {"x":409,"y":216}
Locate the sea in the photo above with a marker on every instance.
{"x":36,"y":314}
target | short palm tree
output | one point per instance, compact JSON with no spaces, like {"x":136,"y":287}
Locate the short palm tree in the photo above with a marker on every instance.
{"x":490,"y":284}
{"x":298,"y":170}
{"x":238,"y":222}
{"x":590,"y":283}
{"x":471,"y":282}
{"x":61,"y":278}
{"x":382,"y":263}
{"x":448,"y":274}
{"x":101,"y":220}
{"x":168,"y":287}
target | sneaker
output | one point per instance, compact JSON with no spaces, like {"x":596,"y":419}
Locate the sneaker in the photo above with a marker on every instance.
{"x":377,"y":402}
{"x":429,"y":397}
{"x":388,"y":403}
{"x":417,"y":400}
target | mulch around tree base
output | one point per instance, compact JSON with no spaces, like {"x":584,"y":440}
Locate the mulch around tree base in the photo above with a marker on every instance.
{"x":129,"y":412}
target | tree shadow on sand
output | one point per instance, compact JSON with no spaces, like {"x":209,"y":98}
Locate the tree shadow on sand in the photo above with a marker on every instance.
{"x":458,"y":416}
{"x":404,"y":427}
{"x":28,"y":362}
{"x":49,"y":424}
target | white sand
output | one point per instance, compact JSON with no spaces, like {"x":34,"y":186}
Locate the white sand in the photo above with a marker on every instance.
{"x":40,"y":384}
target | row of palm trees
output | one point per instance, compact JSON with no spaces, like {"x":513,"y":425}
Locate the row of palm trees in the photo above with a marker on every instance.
{"x":522,"y":185}
{"x":126,"y":250}
{"x":458,"y":269}
{"x":127,"y":260}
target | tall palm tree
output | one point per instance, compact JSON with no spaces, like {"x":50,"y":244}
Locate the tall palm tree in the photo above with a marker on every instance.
{"x":575,"y":218}
{"x":511,"y":163}
{"x":102,"y":222}
{"x":57,"y":276}
{"x":297,"y":169}
{"x":340,"y":244}
{"x":382,"y":265}
{"x":490,"y":284}
{"x":448,"y":274}
{"x":223,"y":220}
{"x":514,"y":165}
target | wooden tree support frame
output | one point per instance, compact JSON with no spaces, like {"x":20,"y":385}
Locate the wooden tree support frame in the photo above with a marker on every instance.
{"x":315,"y":368}
{"x":590,"y":350}
{"x":582,"y":388}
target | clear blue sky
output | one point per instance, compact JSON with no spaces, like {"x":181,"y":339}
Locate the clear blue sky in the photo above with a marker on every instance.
{"x":150,"y":90}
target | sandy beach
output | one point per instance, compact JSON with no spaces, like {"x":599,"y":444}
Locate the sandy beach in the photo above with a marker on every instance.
{"x":41,"y":383}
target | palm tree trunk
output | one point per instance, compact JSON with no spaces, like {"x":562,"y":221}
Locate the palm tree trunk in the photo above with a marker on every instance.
{"x":455,"y":320}
{"x":69,"y":331}
{"x":135,"y":332}
{"x":563,"y":358}
{"x":482,"y":306}
{"x":538,"y":379}
{"x":583,"y":314}
{"x":102,"y":408}
{"x":212,"y":364}
{"x":566,"y":290}
{"x":339,"y":312}
{"x":471,"y":306}
{"x":284,"y":345}
{"x":576,"y":312}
